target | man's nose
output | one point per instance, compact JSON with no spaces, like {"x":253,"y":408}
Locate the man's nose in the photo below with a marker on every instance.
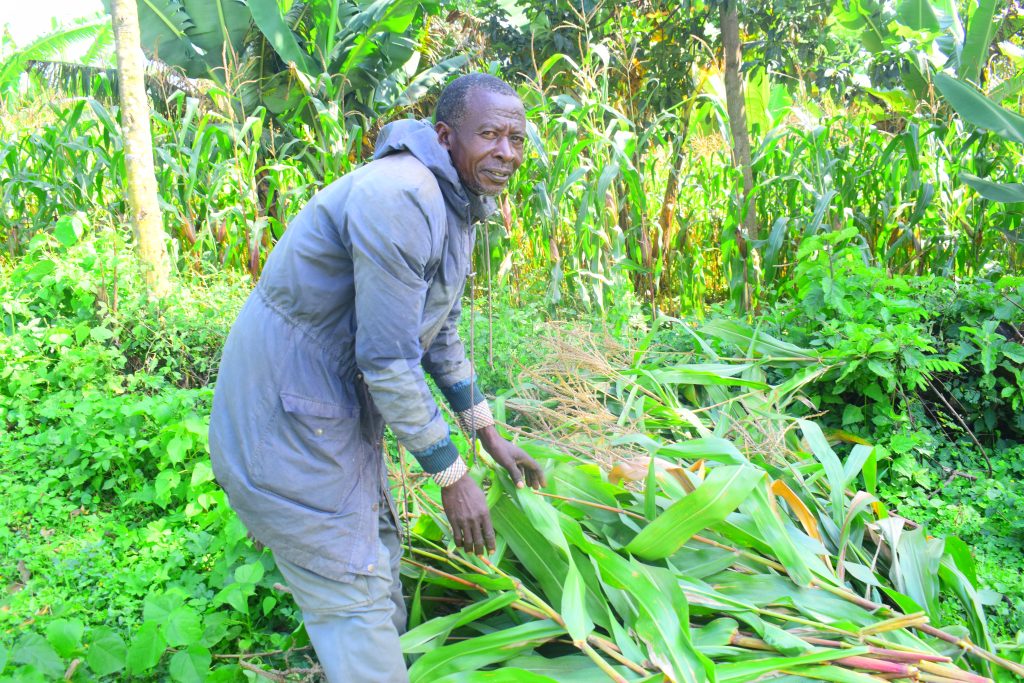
{"x":503,"y":149}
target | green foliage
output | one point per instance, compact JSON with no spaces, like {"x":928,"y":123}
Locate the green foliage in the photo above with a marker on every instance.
{"x":14,"y":60}
{"x":612,"y":555}
{"x":115,"y":524}
{"x":290,"y":58}
{"x":123,"y":533}
{"x":894,"y":341}
{"x":890,"y":314}
{"x":929,"y":369}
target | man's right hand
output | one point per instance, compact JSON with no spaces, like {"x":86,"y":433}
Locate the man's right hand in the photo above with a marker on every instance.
{"x":466,"y":508}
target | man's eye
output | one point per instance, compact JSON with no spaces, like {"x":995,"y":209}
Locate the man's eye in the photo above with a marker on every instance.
{"x":487,"y":134}
{"x":517,"y":139}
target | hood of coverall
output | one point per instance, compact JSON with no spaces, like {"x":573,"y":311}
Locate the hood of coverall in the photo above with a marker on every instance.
{"x":420,"y":139}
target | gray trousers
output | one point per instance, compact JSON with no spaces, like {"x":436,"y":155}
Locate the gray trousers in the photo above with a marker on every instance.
{"x":354,"y":625}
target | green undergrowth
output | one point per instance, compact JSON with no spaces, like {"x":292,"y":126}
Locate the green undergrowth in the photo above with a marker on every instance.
{"x":933,"y":370}
{"x":119,"y":557}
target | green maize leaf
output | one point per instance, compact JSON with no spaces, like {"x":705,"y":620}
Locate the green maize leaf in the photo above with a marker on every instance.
{"x":720,"y":494}
{"x":1008,"y":193}
{"x":585,"y":482}
{"x":782,"y":640}
{"x":833,"y":468}
{"x":836,"y":674}
{"x":502,"y":675}
{"x":862,"y":573}
{"x":415,"y":615}
{"x":965,"y":592}
{"x":431,"y":634}
{"x":855,"y":463}
{"x":717,"y":374}
{"x":490,"y":583}
{"x":651,"y":490}
{"x":574,"y":668}
{"x":595,"y":606}
{"x":543,"y":517}
{"x":534,"y":550}
{"x":482,"y":651}
{"x":765,"y":589}
{"x":960,"y":553}
{"x":627,"y":644}
{"x":709,"y":448}
{"x":736,"y":672}
{"x":741,"y":531}
{"x":785,"y":393}
{"x":659,"y":617}
{"x":978,"y":110}
{"x":757,"y":342}
{"x":916,"y":574}
{"x":542,"y":451}
{"x":529,"y":546}
{"x":861,"y":501}
{"x":776,"y":534}
{"x":700,"y":562}
{"x":574,"y":611}
{"x":715,"y":634}
{"x":906,"y":604}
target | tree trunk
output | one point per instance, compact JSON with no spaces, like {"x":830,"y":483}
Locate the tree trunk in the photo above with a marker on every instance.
{"x":735,"y":104}
{"x":142,"y":191}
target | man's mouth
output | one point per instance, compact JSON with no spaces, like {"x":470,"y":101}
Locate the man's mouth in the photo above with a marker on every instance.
{"x":498,"y":176}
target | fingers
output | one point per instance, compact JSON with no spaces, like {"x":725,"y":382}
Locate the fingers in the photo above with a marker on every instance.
{"x":475,"y":539}
{"x":489,"y":535}
{"x":475,"y":536}
{"x":534,"y":473}
{"x":516,"y":474}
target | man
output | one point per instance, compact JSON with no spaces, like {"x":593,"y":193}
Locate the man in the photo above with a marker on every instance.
{"x":359,"y":297}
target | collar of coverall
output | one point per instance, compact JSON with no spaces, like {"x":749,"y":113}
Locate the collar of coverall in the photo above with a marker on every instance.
{"x":418,"y":138}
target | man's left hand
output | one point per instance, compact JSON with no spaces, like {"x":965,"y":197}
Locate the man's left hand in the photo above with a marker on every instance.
{"x":520,"y":466}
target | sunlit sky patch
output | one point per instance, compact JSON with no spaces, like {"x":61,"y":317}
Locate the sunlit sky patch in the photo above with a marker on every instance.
{"x":28,"y":19}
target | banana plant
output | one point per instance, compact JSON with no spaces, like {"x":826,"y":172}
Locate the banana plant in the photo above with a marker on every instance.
{"x":943,"y":38}
{"x":15,"y":60}
{"x":287,"y":55}
{"x":975,"y":108}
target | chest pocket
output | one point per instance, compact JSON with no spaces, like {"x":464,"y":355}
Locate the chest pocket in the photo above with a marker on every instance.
{"x":313,"y":454}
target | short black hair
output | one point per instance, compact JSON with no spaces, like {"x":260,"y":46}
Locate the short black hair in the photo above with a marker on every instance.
{"x":451,"y":105}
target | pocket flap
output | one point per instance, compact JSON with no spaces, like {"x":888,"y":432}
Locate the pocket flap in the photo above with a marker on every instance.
{"x":303,"y":405}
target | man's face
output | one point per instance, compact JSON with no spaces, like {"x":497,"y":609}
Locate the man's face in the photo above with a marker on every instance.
{"x":487,"y":145}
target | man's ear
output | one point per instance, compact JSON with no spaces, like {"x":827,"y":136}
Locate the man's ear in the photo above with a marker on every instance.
{"x":444,"y":134}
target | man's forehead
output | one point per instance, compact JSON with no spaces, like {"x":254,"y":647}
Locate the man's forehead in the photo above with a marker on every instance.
{"x":484,"y":104}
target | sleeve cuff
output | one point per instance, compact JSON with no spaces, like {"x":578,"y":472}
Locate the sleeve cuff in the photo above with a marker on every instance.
{"x":451,"y":474}
{"x":463,"y":395}
{"x":475,"y":418}
{"x":438,"y":457}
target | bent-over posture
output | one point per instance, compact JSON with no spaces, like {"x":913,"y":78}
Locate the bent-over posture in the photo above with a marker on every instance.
{"x":359,"y":297}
